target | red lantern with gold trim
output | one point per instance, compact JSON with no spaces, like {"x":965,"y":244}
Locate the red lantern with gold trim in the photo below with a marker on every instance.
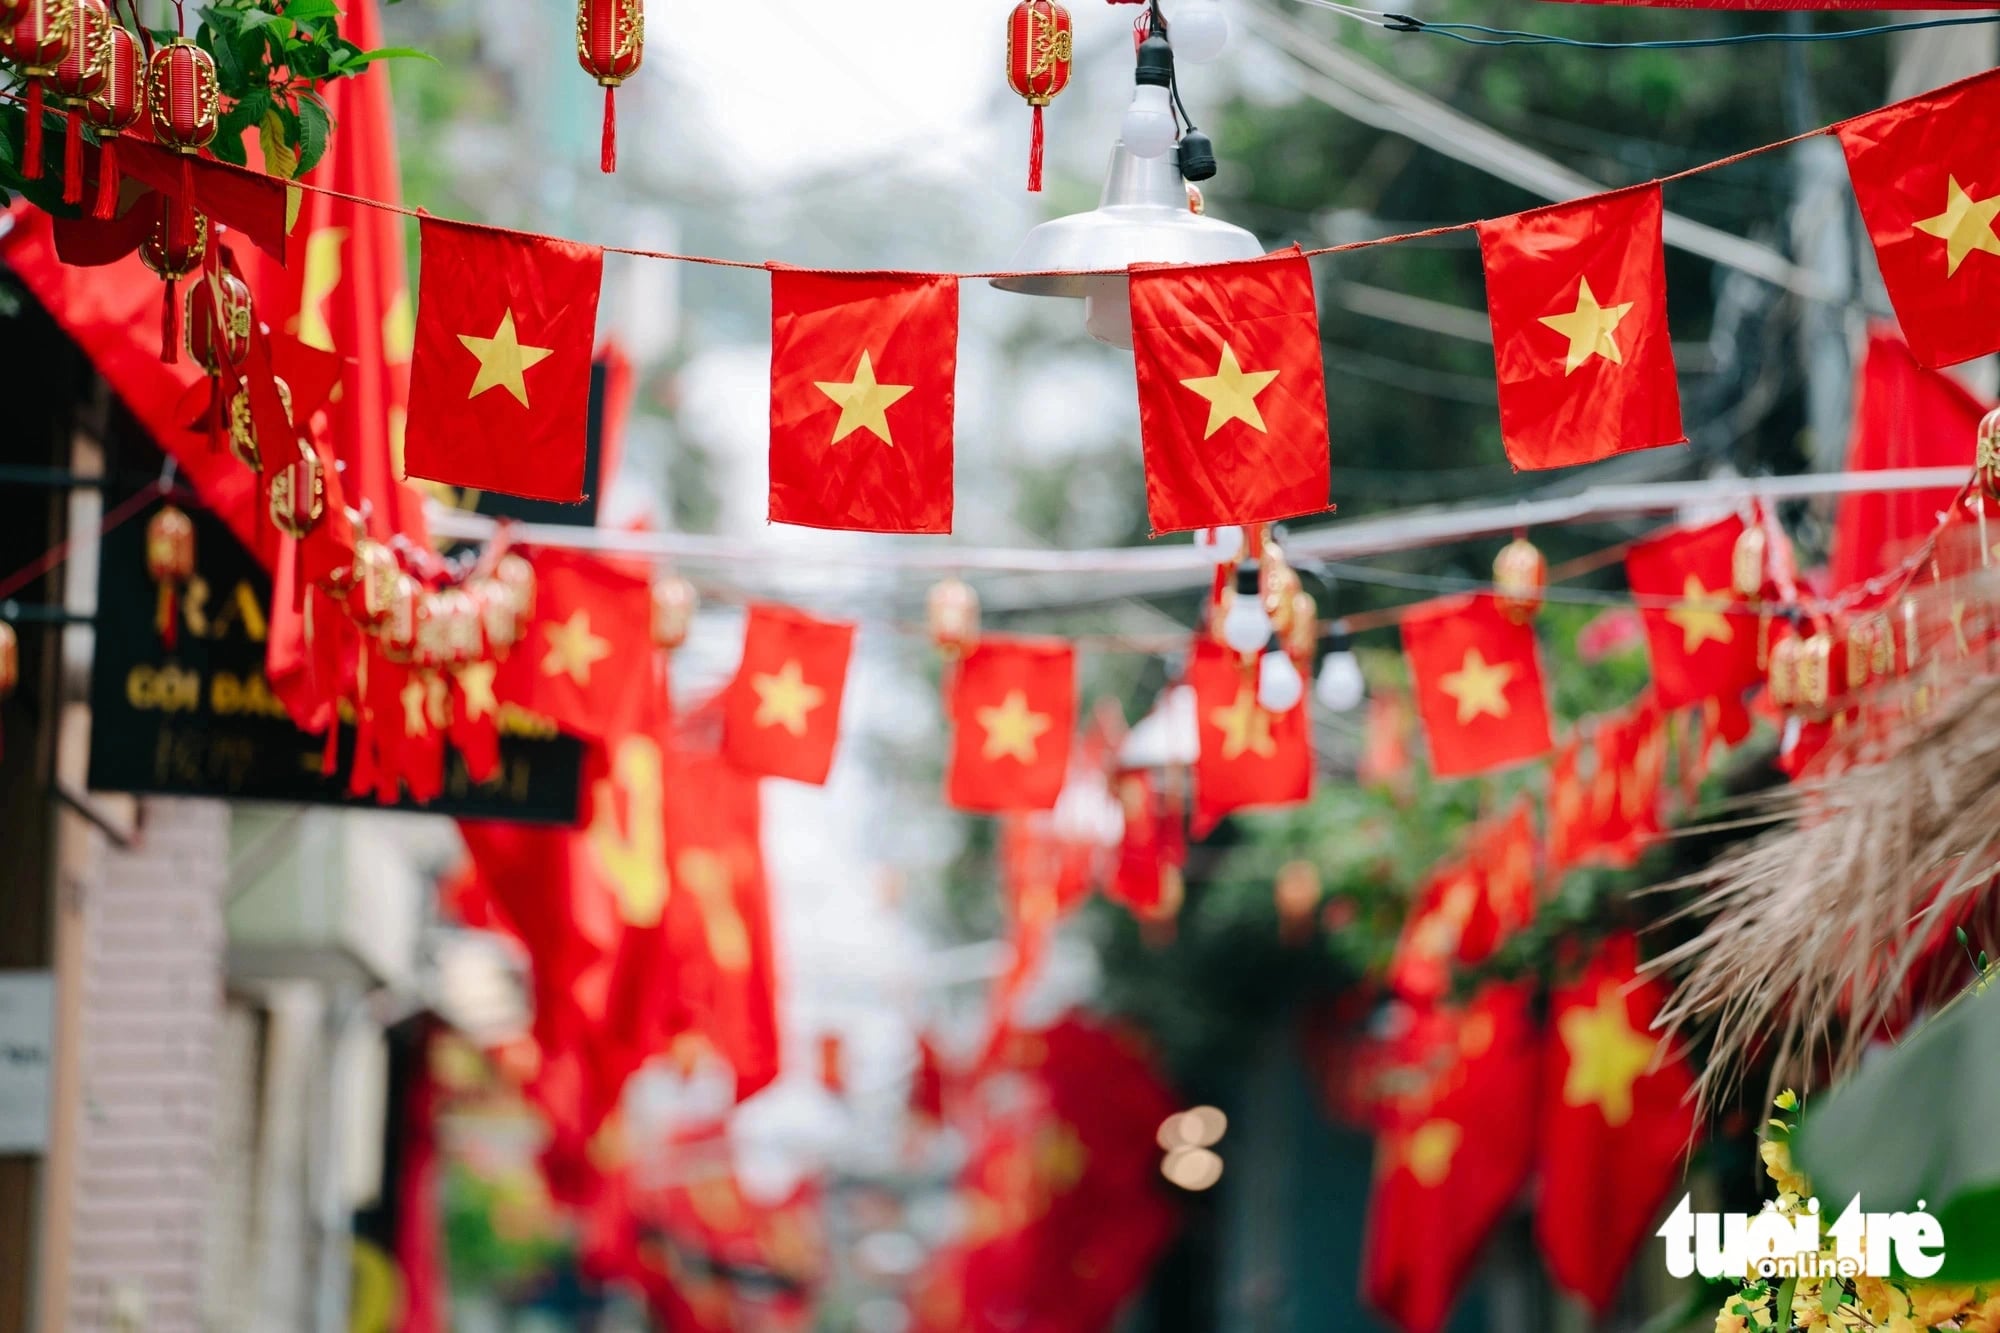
{"x":610,"y":43}
{"x":1520,"y":580}
{"x":1040,"y":45}
{"x":174,"y":248}
{"x":375,"y":571}
{"x":298,"y":493}
{"x":952,"y":609}
{"x":113,"y":110}
{"x":184,"y":104}
{"x":36,"y":41}
{"x":169,"y":563}
{"x":82,"y":74}
{"x":674,"y":603}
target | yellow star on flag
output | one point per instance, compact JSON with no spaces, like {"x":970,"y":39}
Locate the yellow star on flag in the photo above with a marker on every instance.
{"x":1245,"y":728}
{"x":573,"y":649}
{"x":1606,"y":1057}
{"x":1965,"y":225}
{"x":786,"y":699}
{"x":475,"y":682}
{"x":414,"y":696}
{"x":504,"y":360}
{"x":1699,"y":616}
{"x":1479,"y":686}
{"x":1589,"y":329}
{"x":1232,"y":392}
{"x":864,"y":403}
{"x":1012,"y":729}
{"x":1429,"y":1150}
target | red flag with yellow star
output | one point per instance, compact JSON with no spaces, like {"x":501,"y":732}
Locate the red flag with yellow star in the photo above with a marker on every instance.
{"x":1248,"y":755}
{"x":1478,"y":679}
{"x":1232,"y":392}
{"x":781,"y":714}
{"x":863,"y":377}
{"x":1454,"y":1156}
{"x":1468,"y":906}
{"x":1577,"y":293}
{"x":1701,"y":637}
{"x":1013,"y":715}
{"x":585,"y":657}
{"x":500,"y":381}
{"x":1929,"y":190}
{"x":1615,"y":1107}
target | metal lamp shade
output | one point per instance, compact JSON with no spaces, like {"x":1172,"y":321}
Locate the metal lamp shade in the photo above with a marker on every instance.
{"x":1142,"y":218}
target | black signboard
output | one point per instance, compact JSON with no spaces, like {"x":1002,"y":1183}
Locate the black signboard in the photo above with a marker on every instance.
{"x":202,"y":721}
{"x":498,"y":504}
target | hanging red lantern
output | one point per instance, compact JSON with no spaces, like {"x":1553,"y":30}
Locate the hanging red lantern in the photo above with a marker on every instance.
{"x":1749,"y":562}
{"x":517,"y":576}
{"x":1520,"y":580}
{"x":398,"y":631}
{"x":36,"y":42}
{"x":218,"y":338}
{"x":610,"y":43}
{"x":82,"y":74}
{"x":464,"y":636}
{"x":184,"y":103}
{"x":953,"y":613}
{"x":500,"y":626}
{"x":375,"y":571}
{"x":1297,"y":894}
{"x":1986,"y":458}
{"x":243,"y":424}
{"x":113,"y":110}
{"x":169,"y":563}
{"x":674,"y":603}
{"x":1040,"y":45}
{"x":298,"y":493}
{"x":174,"y":248}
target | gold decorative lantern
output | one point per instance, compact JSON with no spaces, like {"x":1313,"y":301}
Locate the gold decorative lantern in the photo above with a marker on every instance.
{"x":1520,"y":580}
{"x":953,"y":610}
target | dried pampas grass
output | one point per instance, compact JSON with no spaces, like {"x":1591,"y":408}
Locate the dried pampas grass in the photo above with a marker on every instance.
{"x":1816,"y":929}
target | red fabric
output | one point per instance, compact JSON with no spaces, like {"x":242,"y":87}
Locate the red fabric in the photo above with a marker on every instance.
{"x":1904,"y":416}
{"x":1608,"y":1114}
{"x":1578,"y":297}
{"x":1013,"y":713}
{"x":244,"y":201}
{"x":1468,"y":906}
{"x":1454,"y":1159}
{"x":863,"y":377}
{"x":1927,"y":183}
{"x":584,"y":656}
{"x":1232,"y":392}
{"x":500,"y":381}
{"x":1151,"y":850}
{"x":1478,"y":681}
{"x":1248,"y":755}
{"x":1625,"y":790}
{"x":1068,"y":1213}
{"x":475,"y":719}
{"x":781,"y":714}
{"x":1569,"y":836}
{"x":718,"y":918}
{"x":1704,"y":645}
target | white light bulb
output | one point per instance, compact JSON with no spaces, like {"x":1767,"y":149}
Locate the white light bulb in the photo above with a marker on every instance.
{"x":1246,"y":627}
{"x":1340,"y":687}
{"x":1107,"y":311}
{"x":1222,"y":545}
{"x":1279,"y":688}
{"x":1149,"y":122}
{"x":1199,"y":29}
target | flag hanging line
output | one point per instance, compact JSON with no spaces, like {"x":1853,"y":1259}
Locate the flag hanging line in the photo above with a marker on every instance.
{"x":1314,"y":252}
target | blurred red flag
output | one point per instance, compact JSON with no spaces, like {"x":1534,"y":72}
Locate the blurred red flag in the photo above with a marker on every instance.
{"x":1700,"y":636}
{"x":1929,"y":190}
{"x":1478,"y":681}
{"x":1612,"y":1109}
{"x":1468,"y":906}
{"x":1013,"y":717}
{"x":1249,"y":756}
{"x":781,"y":713}
{"x":585,"y":655}
{"x":1904,"y":416}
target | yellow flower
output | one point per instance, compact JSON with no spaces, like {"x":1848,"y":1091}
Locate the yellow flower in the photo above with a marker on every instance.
{"x":1884,"y":1302}
{"x":1984,"y":1317}
{"x":1788,"y":1100}
{"x":1730,"y":1322}
{"x":1933,"y":1303}
{"x":1777,"y":1157}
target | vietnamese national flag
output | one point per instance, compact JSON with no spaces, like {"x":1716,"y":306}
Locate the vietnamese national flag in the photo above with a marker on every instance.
{"x":1568,"y":805}
{"x":1478,"y":679}
{"x":585,"y":656}
{"x":475,"y":718}
{"x":1700,"y":636}
{"x":1454,"y":1158}
{"x":1929,"y":190}
{"x":1013,"y":715}
{"x":863,"y":377}
{"x":500,"y":382}
{"x":1151,"y":849}
{"x":1577,"y":293}
{"x":1615,"y":1107}
{"x":1232,"y":392}
{"x":1468,"y":907}
{"x":1248,"y":755}
{"x":781,"y":714}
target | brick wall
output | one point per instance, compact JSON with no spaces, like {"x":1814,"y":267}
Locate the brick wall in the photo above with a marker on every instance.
{"x":151,"y":1016}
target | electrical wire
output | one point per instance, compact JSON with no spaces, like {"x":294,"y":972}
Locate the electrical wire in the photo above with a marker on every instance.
{"x":1393,"y":22}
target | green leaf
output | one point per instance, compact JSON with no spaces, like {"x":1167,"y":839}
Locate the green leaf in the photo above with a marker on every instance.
{"x":312,"y":9}
{"x":261,"y":18}
{"x":1784,"y":1310}
{"x":393,"y":53}
{"x":313,"y":128}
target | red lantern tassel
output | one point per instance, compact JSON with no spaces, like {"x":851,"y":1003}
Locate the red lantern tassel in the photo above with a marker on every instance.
{"x":170,"y":324}
{"x":186,"y":202}
{"x":167,"y":617}
{"x":1035,"y":140}
{"x":107,"y":180}
{"x":329,"y":762}
{"x":73,"y":158}
{"x":215,"y":427}
{"x":31,"y":153}
{"x":607,"y":158}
